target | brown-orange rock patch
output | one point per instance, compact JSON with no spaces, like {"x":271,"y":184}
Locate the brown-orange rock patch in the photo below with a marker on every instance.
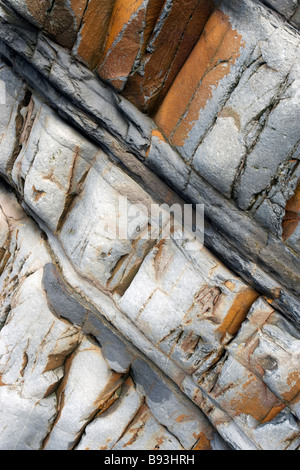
{"x":130,"y":26}
{"x":256,"y":400}
{"x":174,"y":37}
{"x":63,"y":20}
{"x":38,"y":9}
{"x":238,"y":312}
{"x":210,"y":61}
{"x":91,"y":39}
{"x":203,"y":442}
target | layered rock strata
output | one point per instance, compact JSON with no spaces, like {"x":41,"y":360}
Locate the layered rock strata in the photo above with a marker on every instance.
{"x":138,"y":342}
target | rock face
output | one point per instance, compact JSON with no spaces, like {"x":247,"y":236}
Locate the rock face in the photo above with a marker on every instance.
{"x":117,"y":330}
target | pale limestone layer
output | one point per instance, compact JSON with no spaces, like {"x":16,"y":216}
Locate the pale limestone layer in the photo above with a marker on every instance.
{"x":201,"y":307}
{"x":59,"y":381}
{"x":113,"y":342}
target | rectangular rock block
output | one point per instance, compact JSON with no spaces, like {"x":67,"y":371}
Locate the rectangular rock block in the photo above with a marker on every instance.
{"x":269,"y":346}
{"x":91,"y":36}
{"x":215,"y":53}
{"x":175,"y":34}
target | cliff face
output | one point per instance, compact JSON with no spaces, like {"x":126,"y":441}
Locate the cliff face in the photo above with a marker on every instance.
{"x":110,"y":109}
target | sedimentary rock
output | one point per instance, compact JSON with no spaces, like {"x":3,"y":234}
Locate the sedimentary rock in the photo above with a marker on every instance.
{"x":173,"y":38}
{"x":50,"y":368}
{"x":119,"y":331}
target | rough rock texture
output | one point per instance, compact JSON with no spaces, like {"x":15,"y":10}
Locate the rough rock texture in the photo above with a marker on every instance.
{"x":111,"y":339}
{"x":289,"y":9}
{"x":223,"y":134}
{"x":174,"y":37}
{"x":61,"y":19}
{"x":59,"y":380}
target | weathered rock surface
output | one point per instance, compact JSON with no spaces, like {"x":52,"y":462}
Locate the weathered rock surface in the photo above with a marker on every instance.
{"x":222,"y":133}
{"x":125,"y":133}
{"x":174,"y":37}
{"x":289,"y":9}
{"x":61,"y":19}
{"x":58,"y":380}
{"x":111,"y":339}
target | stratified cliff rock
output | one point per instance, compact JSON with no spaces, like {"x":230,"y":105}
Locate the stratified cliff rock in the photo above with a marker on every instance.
{"x":111,"y":342}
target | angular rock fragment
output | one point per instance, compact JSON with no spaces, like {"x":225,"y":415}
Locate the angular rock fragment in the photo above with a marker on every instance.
{"x":87,"y":387}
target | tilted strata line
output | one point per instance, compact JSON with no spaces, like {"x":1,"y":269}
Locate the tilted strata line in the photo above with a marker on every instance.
{"x":222,"y":344}
{"x":260,"y":258}
{"x":68,"y":304}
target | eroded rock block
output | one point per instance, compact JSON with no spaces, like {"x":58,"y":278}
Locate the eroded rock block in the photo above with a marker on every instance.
{"x":269,"y":346}
{"x":87,"y":387}
{"x":51,"y":166}
{"x":233,"y":389}
{"x":130,"y":27}
{"x":200,"y":305}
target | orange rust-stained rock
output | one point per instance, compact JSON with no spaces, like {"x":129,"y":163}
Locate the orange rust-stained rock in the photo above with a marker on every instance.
{"x":210,"y":61}
{"x":174,"y":36}
{"x":92,"y":35}
{"x":292,"y":215}
{"x":274,"y":412}
{"x":249,"y":397}
{"x":293,"y":382}
{"x":130,"y":27}
{"x":191,"y":35}
{"x":203,"y":443}
{"x":238,"y":312}
{"x":261,"y":353}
